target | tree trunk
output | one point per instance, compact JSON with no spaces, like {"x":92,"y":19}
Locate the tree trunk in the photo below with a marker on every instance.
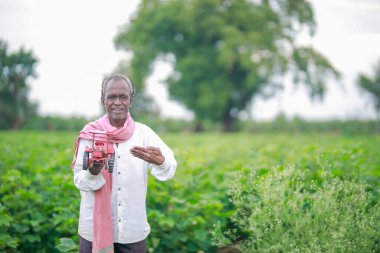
{"x":16,"y":124}
{"x":198,"y":127}
{"x":228,"y":123}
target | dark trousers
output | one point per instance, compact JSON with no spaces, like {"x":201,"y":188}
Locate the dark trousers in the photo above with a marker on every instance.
{"x":136,"y":247}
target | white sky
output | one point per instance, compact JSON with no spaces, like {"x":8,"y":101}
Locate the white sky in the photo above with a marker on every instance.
{"x":73,"y":41}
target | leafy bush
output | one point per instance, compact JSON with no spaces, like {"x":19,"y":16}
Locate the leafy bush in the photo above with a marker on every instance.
{"x":38,"y":201}
{"x":281,"y":211}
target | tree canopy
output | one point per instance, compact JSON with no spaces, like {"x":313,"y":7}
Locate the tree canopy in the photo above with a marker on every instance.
{"x":15,"y":71}
{"x":371,"y":85}
{"x":224,"y":52}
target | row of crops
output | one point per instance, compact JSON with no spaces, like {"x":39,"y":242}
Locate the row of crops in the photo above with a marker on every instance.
{"x":262,"y":193}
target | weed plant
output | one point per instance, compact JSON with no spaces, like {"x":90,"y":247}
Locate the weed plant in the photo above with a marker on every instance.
{"x":282,"y":211}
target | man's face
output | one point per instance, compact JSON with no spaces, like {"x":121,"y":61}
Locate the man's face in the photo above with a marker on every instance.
{"x":117,"y":100}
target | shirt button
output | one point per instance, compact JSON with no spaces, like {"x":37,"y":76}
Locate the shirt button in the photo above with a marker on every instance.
{"x":119,"y":204}
{"x":119,"y":188}
{"x":118,"y":173}
{"x":119,"y":220}
{"x":118,"y":157}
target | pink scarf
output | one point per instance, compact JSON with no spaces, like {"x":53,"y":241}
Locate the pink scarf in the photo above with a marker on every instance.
{"x":102,"y":220}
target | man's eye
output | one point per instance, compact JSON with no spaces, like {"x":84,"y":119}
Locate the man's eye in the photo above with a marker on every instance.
{"x":111,"y":97}
{"x":124,"y":97}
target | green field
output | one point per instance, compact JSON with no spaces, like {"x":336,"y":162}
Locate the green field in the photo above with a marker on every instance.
{"x":39,"y":203}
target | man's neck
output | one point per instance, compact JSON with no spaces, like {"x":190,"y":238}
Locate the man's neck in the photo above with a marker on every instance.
{"x":118,"y":123}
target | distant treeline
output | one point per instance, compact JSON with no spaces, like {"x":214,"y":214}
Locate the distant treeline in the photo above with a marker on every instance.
{"x":76,"y":123}
{"x":278,"y":125}
{"x":298,"y":125}
{"x":55,"y":123}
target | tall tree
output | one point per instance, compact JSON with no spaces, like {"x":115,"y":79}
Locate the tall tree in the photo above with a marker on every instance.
{"x":371,"y":85}
{"x":15,"y":71}
{"x":144,"y":107}
{"x":225,"y":52}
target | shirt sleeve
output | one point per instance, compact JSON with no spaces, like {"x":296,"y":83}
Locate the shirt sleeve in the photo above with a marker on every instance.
{"x":167,"y":169}
{"x":83,"y":179}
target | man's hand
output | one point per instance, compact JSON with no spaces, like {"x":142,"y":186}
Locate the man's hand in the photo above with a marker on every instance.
{"x":95,"y":167}
{"x":149,"y":154}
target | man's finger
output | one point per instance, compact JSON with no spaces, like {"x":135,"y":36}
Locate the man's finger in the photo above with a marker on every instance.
{"x":146,"y":152}
{"x":138,"y":148}
{"x":155,"y":150}
{"x":138,"y":151}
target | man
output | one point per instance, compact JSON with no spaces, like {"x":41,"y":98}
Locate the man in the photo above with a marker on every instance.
{"x":112,"y":211}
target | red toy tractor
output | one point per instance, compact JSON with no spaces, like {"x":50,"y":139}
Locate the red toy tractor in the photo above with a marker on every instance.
{"x":101,"y":152}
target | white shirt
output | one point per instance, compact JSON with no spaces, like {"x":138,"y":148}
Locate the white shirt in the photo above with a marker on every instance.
{"x":129,"y":186}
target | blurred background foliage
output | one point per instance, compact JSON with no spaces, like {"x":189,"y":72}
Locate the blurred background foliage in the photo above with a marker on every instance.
{"x":16,"y":70}
{"x":223,"y":53}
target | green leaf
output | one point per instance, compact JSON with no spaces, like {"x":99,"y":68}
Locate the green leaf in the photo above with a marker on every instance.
{"x":66,"y":244}
{"x":5,"y":220}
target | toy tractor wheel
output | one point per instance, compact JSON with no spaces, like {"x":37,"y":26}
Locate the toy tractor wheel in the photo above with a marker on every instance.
{"x":111,"y":163}
{"x":86,"y":157}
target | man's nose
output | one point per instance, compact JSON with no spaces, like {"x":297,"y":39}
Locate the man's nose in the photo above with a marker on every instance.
{"x":117,"y":100}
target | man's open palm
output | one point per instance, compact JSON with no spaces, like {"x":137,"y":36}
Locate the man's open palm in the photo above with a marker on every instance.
{"x":149,"y":154}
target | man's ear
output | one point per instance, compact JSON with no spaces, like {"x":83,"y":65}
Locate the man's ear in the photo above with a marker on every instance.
{"x":103,"y":106}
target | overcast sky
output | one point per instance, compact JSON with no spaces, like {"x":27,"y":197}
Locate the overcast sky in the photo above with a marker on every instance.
{"x":73,"y":41}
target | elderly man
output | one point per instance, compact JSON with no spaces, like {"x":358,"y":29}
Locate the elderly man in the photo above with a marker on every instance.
{"x":113,"y":211}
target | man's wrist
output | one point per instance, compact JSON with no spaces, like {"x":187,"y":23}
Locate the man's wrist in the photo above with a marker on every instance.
{"x":163,"y":164}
